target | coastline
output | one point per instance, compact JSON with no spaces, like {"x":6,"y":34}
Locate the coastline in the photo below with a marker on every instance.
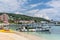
{"x":29,"y":36}
{"x":4,"y":36}
{"x":18,"y":36}
{"x":11,"y":36}
{"x":22,"y":35}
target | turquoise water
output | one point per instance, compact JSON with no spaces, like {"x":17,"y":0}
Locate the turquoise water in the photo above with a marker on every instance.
{"x":13,"y":27}
{"x":53,"y":34}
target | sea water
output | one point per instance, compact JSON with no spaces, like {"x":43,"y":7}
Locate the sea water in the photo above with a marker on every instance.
{"x":53,"y":34}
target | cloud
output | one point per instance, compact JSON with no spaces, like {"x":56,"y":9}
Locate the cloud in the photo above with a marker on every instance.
{"x":48,"y":13}
{"x":18,"y":13}
{"x":54,"y":13}
{"x":11,"y":5}
{"x":42,"y":16}
{"x":8,"y":5}
{"x":34,"y":5}
{"x":37,"y":13}
{"x":17,"y":6}
{"x":54,"y":3}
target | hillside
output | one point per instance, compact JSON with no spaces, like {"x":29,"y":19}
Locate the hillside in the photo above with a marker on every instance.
{"x":13,"y":16}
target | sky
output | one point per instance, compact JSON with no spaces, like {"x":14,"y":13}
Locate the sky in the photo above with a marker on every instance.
{"x":48,"y":9}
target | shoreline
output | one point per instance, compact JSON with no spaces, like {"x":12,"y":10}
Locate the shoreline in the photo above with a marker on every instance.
{"x":18,"y":36}
{"x":29,"y":36}
{"x":11,"y":36}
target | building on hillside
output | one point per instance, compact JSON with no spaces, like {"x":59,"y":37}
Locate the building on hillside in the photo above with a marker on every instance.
{"x":1,"y":18}
{"x":45,"y":22}
{"x":4,"y":18}
{"x":25,"y":21}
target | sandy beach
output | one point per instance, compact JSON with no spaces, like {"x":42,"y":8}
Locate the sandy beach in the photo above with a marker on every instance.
{"x":29,"y":36}
{"x":18,"y":36}
{"x":11,"y":36}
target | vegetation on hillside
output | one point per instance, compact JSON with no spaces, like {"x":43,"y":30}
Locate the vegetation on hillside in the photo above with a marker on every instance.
{"x":18,"y":17}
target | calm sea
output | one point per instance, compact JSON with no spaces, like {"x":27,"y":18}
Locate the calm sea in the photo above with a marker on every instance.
{"x":53,"y":34}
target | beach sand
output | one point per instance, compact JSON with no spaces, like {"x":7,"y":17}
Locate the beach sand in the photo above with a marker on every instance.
{"x":18,"y":36}
{"x":11,"y":36}
{"x":29,"y":36}
{"x":5,"y":37}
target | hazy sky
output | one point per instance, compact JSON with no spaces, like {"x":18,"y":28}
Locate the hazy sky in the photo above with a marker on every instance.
{"x":49,"y":9}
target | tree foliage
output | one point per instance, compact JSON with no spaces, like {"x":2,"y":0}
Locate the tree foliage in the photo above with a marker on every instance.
{"x":23,"y":17}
